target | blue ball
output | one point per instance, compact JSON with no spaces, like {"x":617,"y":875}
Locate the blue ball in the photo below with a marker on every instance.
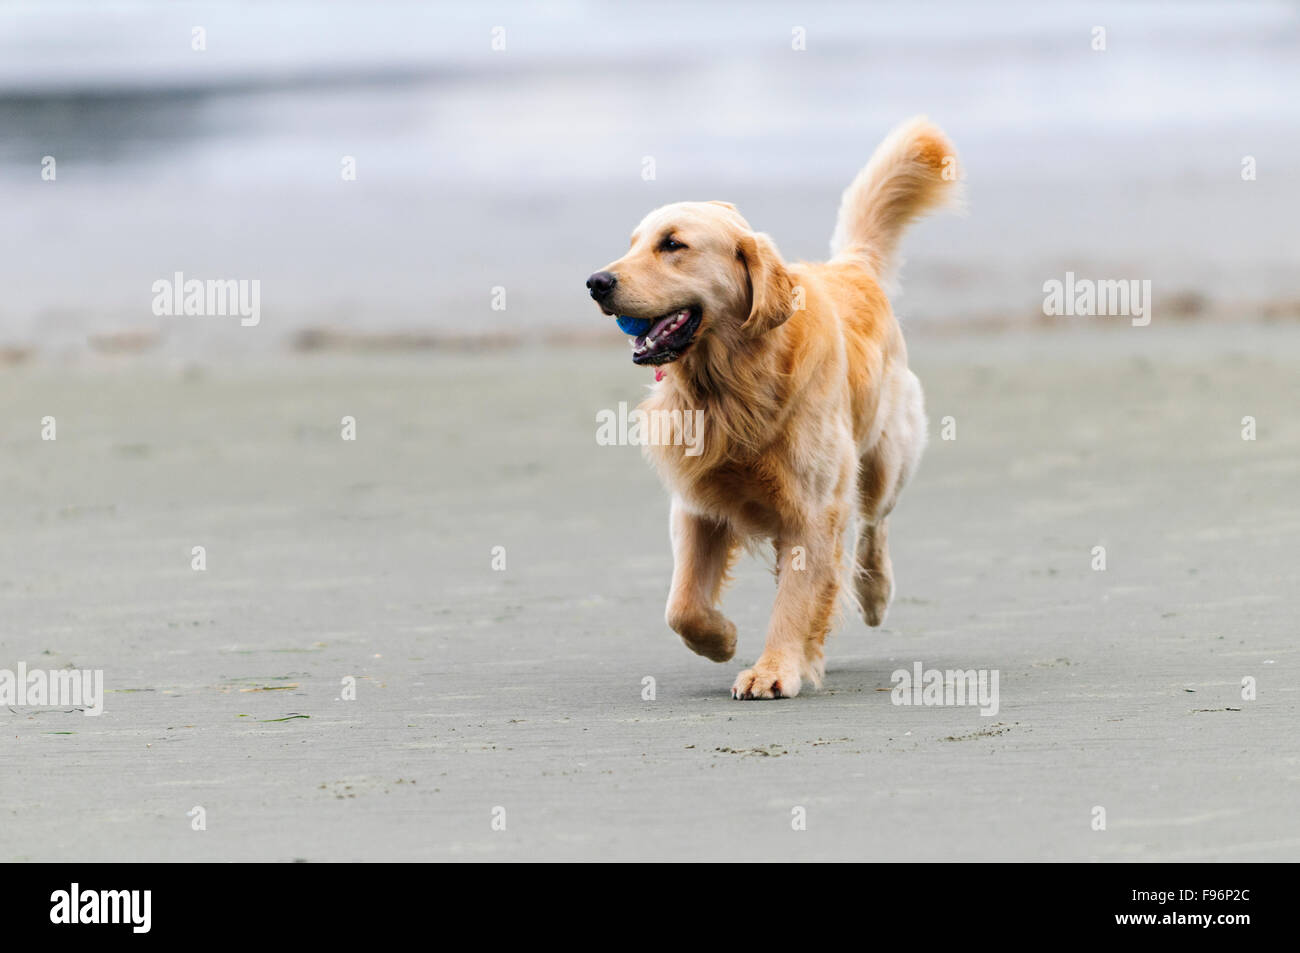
{"x":634,"y":326}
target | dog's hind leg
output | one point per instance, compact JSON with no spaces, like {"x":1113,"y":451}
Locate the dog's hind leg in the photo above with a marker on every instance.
{"x":702,"y":553}
{"x":883,"y":472}
{"x":873,"y":571}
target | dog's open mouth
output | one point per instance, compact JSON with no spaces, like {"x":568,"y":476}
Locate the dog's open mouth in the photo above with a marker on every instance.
{"x":668,"y":338}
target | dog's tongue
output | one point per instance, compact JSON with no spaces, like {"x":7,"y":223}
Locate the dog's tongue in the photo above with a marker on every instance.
{"x":661,"y":324}
{"x":659,"y":374}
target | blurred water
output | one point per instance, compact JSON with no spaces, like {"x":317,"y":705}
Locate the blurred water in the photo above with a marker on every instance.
{"x":522,"y":168}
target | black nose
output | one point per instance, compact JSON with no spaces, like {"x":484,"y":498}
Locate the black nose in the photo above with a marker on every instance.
{"x":601,"y":284}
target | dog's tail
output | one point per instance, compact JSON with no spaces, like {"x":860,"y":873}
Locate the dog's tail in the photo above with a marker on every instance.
{"x":914,"y":171}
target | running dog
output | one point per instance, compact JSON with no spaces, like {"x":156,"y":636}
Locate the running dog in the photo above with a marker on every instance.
{"x":811,"y":415}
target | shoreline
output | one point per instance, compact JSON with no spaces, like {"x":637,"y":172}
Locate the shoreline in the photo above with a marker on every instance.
{"x":1191,"y":316}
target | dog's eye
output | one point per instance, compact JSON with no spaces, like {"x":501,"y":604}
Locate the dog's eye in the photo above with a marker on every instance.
{"x":671,"y":244}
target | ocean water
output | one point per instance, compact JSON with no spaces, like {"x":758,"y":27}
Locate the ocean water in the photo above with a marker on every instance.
{"x":522,"y":168}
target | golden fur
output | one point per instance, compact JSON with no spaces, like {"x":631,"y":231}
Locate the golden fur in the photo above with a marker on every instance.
{"x":811,"y":415}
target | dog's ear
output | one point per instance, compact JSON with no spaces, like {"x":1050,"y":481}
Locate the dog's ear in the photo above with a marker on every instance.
{"x":771,"y":288}
{"x":723,"y":204}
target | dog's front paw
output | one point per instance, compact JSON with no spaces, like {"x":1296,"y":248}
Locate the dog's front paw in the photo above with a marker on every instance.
{"x":708,"y":633}
{"x":769,"y":678}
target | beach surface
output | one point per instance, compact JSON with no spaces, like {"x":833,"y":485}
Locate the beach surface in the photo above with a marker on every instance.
{"x":502,"y":713}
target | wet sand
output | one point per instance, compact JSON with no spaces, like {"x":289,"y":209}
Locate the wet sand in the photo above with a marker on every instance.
{"x":522,"y":688}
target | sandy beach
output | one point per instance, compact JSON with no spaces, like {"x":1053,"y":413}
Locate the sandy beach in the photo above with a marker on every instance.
{"x":480,"y":689}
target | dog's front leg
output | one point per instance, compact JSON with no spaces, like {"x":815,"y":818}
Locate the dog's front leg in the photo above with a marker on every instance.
{"x":702,"y":551}
{"x":808,"y":574}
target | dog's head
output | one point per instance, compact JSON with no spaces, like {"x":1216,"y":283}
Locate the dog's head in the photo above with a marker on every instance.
{"x":697,"y":273}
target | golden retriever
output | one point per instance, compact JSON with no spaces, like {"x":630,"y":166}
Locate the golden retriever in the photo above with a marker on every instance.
{"x":811,"y":414}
